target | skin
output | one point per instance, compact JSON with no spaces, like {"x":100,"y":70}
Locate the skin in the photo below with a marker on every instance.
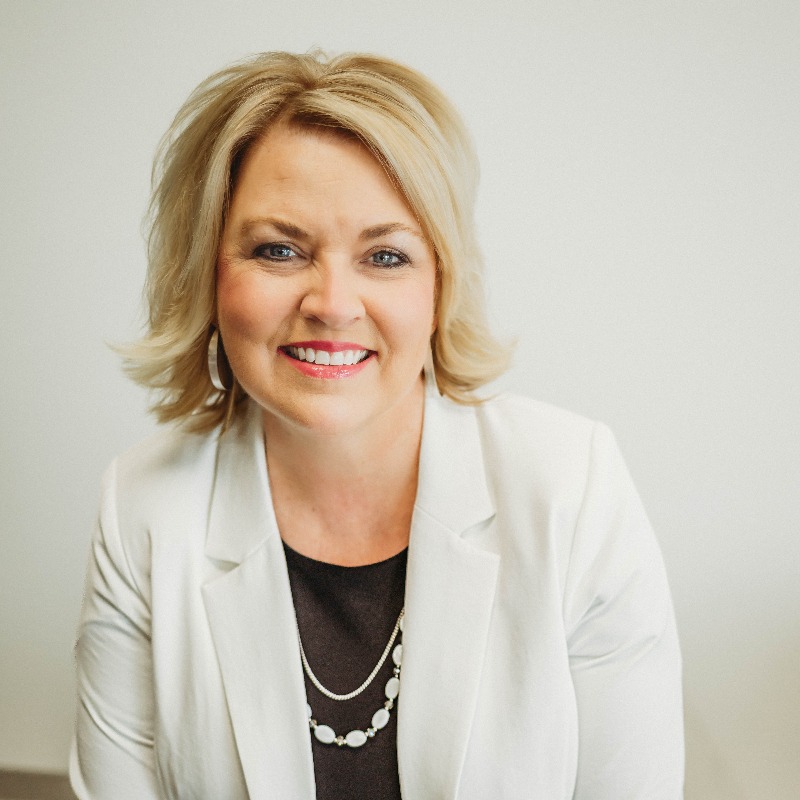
{"x":319,"y":247}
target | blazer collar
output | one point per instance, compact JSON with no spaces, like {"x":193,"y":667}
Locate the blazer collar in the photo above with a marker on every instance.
{"x":241,"y":516}
{"x":452,"y":482}
{"x":452,"y":486}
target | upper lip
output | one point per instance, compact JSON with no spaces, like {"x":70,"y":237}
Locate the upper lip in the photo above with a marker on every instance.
{"x":330,"y":347}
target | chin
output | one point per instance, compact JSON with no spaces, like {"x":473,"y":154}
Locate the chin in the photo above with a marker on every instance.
{"x":323,"y":416}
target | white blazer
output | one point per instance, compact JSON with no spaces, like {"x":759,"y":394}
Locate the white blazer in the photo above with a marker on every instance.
{"x":540,"y":658}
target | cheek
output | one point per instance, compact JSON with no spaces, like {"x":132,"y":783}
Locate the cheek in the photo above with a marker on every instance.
{"x":245,"y":306}
{"x":414,"y":316}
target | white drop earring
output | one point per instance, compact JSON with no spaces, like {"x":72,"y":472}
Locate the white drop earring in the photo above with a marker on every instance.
{"x":218,"y":367}
{"x":429,"y":371}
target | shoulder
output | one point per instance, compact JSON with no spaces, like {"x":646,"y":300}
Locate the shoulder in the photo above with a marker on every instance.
{"x":542,"y":457}
{"x":171,"y":455}
{"x":514,"y":415}
{"x":531,"y":441}
{"x":164,"y":478}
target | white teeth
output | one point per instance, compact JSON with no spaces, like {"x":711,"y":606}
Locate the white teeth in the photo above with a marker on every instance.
{"x":339,"y":358}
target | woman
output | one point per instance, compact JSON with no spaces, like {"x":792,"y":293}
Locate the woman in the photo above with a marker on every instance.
{"x":331,"y":521}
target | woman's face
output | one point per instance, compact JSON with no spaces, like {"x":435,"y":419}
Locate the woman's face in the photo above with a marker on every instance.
{"x":325,"y":284}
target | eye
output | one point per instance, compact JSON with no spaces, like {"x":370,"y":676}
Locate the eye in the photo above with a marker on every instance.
{"x":388,"y":258}
{"x":274,"y":252}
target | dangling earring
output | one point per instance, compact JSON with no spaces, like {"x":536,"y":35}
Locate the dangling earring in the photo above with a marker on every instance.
{"x":218,"y":368}
{"x":429,"y":371}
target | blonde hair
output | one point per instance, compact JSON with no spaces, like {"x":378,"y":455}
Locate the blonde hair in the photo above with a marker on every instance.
{"x":409,"y":126}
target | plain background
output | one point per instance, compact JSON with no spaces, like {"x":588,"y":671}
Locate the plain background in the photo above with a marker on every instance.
{"x":640,"y":217}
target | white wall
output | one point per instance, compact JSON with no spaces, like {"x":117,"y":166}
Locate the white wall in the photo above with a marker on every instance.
{"x":640,"y":213}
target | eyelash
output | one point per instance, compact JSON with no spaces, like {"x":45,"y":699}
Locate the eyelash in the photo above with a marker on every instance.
{"x":266,"y":251}
{"x":401,"y":261}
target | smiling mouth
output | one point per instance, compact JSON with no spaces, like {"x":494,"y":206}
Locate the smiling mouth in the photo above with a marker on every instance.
{"x":324,"y":357}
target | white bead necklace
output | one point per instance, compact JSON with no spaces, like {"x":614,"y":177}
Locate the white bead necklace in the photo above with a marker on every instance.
{"x":356,"y":738}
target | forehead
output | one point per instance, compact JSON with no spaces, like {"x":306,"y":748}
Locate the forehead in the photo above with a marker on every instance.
{"x":291,"y":152}
{"x":318,"y":173}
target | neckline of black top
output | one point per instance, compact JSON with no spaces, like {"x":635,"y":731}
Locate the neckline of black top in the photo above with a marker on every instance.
{"x":327,"y":565}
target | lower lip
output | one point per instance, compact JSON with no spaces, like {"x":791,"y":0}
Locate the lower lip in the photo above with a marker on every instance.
{"x":327,"y":371}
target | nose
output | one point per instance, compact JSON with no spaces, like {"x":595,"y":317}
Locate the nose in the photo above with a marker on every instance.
{"x":332,"y":295}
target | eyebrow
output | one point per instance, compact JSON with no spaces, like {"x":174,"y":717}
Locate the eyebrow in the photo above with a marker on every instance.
{"x":376,"y":231}
{"x":286,"y":228}
{"x":295,"y":232}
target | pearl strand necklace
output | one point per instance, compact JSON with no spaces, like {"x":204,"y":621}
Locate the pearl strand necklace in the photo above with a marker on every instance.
{"x":355,"y":738}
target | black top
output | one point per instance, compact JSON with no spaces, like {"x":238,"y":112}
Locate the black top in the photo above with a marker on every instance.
{"x":346,"y":616}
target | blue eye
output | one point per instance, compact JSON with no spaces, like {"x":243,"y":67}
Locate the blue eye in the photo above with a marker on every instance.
{"x":274,"y":252}
{"x":388,"y":258}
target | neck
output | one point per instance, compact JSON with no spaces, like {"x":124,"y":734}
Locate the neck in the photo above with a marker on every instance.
{"x":347,"y":498}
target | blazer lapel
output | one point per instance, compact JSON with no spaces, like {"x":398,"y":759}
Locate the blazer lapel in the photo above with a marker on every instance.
{"x":252,"y":623}
{"x":449,"y":597}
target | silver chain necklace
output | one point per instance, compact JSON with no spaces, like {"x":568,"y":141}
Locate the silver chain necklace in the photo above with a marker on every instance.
{"x":356,"y":738}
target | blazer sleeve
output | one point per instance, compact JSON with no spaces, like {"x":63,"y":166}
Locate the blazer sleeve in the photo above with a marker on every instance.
{"x":623,"y":646}
{"x":112,"y":751}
